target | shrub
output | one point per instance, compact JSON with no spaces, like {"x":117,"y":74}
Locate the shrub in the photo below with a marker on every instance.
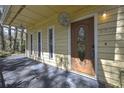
{"x":4,"y":54}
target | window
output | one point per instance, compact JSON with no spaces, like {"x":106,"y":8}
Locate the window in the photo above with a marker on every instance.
{"x":39,"y":44}
{"x":51,"y":43}
{"x":31,"y":44}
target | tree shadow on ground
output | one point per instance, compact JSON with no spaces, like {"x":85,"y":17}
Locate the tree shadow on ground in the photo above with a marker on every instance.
{"x":27,"y":73}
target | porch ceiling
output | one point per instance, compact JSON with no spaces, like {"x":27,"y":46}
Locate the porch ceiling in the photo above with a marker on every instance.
{"x":31,"y":14}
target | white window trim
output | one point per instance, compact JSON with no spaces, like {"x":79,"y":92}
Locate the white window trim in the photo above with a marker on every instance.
{"x":51,"y":27}
{"x":41,"y":53}
{"x":95,"y":15}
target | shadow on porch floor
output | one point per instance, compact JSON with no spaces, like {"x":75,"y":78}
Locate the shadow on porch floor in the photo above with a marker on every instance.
{"x":21,"y":72}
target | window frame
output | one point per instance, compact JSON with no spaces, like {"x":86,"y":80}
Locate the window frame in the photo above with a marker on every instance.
{"x":41,"y":50}
{"x":31,"y":43}
{"x":53,"y":35}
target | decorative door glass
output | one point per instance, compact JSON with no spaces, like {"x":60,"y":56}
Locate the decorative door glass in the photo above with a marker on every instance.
{"x":81,"y":43}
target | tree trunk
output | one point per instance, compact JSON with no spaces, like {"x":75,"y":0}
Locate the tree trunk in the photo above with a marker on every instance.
{"x":16,"y":31}
{"x":9,"y":32}
{"x":2,"y":37}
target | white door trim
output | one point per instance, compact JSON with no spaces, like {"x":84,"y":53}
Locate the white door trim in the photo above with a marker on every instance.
{"x":95,"y":43}
{"x":69,"y":46}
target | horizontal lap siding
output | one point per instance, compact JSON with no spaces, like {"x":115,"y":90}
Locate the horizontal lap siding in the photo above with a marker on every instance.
{"x":109,"y":31}
{"x":112,"y":37}
{"x":60,"y":36}
{"x":110,"y":50}
{"x":61,"y":42}
{"x":118,"y":23}
{"x":44,"y":38}
{"x":109,"y":69}
{"x":110,"y":42}
{"x":111,"y":46}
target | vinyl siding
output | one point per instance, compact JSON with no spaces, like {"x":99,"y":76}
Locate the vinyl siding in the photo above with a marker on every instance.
{"x":61,"y":43}
{"x":111,"y":46}
{"x":110,"y":42}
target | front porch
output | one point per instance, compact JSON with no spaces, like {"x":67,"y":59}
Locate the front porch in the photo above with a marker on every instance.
{"x":87,"y":40}
{"x":21,"y":72}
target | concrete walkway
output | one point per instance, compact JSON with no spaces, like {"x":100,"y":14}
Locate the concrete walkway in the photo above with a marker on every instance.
{"x":21,"y":72}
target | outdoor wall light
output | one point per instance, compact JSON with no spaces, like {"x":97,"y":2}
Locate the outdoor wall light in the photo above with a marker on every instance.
{"x":104,"y":14}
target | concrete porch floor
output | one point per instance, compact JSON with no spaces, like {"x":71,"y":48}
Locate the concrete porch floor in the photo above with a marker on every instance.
{"x":22,"y":72}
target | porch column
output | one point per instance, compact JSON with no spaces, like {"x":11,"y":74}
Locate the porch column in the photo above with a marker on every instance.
{"x":16,"y":32}
{"x":22,"y":32}
{"x":10,"y":38}
{"x":2,"y":37}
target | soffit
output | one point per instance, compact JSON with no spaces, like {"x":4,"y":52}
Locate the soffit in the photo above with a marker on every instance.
{"x":33,"y":14}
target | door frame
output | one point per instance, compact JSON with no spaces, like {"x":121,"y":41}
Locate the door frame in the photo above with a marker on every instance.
{"x":95,"y":44}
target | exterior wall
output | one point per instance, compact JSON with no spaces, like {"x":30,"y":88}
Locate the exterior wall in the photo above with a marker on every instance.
{"x":61,"y":44}
{"x":111,"y":46}
{"x":110,"y":42}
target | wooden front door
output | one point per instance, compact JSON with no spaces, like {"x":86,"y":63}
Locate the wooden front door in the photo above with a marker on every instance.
{"x":82,"y":46}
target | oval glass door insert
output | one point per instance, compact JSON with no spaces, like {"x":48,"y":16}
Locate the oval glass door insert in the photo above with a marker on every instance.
{"x":81,"y":43}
